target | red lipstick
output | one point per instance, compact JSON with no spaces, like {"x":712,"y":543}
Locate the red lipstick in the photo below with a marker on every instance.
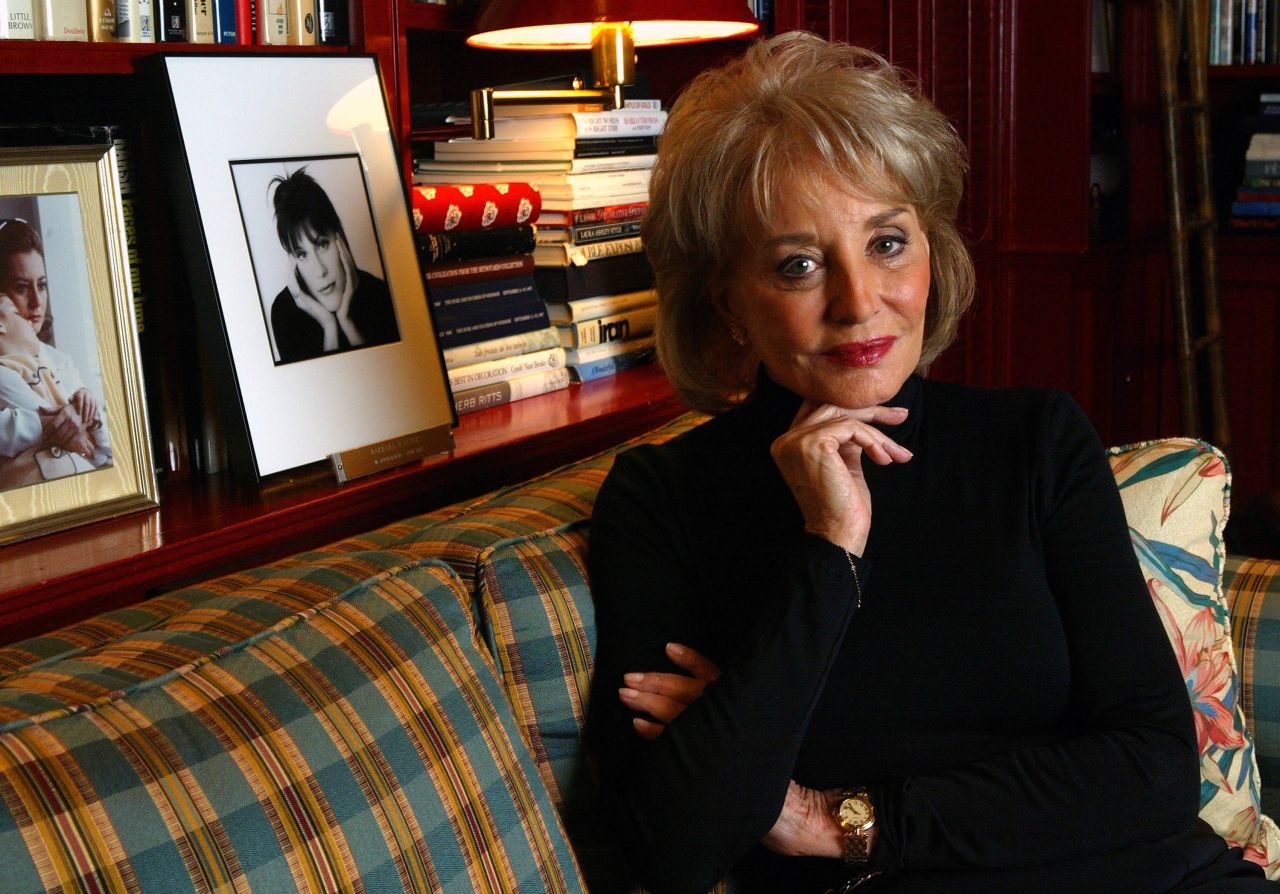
{"x":860,"y":353}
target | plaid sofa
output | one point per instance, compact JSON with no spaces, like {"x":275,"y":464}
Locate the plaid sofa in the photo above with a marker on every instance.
{"x":398,"y":711}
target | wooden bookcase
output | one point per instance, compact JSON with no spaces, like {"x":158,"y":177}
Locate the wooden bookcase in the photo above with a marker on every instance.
{"x":205,"y":524}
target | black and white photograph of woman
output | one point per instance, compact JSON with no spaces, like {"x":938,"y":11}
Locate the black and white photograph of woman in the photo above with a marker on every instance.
{"x":313,"y":245}
{"x":52,"y":415}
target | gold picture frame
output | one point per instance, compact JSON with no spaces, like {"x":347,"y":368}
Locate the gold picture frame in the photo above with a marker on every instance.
{"x":88,"y":329}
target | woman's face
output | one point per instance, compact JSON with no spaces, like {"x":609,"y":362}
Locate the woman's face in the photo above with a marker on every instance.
{"x":17,"y":335}
{"x":832,"y":297}
{"x":26,"y":283}
{"x":320,"y":268}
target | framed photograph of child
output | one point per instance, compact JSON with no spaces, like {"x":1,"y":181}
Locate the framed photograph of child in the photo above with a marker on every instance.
{"x":73,"y":425}
{"x":300,"y":249}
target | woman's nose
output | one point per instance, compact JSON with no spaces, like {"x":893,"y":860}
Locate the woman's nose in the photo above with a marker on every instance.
{"x":853,"y":295}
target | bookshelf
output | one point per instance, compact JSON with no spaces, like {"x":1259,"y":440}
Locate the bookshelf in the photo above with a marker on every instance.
{"x":205,"y":524}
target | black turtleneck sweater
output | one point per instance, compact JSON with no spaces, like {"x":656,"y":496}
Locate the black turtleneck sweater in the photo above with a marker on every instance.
{"x":1006,"y":690}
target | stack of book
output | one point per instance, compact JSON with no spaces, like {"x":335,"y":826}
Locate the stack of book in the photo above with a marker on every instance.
{"x":606,"y":334}
{"x":591,"y":168}
{"x":1256,"y":208}
{"x":476,"y":244}
{"x":1244,"y":32}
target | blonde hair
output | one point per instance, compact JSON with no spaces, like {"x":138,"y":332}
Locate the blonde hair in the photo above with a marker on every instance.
{"x":788,"y":108}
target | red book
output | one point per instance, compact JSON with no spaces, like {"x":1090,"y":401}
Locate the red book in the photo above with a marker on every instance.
{"x":445,"y":208}
{"x":244,"y":22}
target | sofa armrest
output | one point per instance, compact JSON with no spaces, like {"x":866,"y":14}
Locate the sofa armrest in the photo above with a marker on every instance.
{"x":1252,"y":590}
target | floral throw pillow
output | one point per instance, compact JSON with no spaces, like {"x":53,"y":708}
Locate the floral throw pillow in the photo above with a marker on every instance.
{"x":1176,"y":495}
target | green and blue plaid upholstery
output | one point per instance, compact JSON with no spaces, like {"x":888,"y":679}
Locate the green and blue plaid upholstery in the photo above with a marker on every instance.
{"x":1253,"y":591}
{"x":361,"y":744}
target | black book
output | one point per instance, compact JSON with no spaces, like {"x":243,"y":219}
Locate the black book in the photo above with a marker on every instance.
{"x":171,"y":21}
{"x":603,"y":276}
{"x":468,"y":245}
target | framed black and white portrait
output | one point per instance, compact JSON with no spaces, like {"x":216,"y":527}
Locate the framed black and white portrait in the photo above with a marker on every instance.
{"x":303,"y":267}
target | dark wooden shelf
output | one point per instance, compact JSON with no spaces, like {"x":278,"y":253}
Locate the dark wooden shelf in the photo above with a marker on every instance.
{"x":1244,"y":71}
{"x":429,"y":16}
{"x":209,"y":526}
{"x":71,"y":58}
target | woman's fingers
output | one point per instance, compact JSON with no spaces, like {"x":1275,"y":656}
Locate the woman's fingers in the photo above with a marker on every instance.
{"x":647,"y":728}
{"x":660,"y":707}
{"x":693,"y":661}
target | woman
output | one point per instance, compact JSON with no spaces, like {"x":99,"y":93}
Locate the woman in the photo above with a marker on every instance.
{"x":863,"y":629}
{"x":39,"y":380}
{"x":328,"y":304}
{"x":24,"y":280}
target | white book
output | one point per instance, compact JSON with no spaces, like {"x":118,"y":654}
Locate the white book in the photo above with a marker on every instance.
{"x":535,"y":109}
{"x":563,"y":313}
{"x":495,"y":394}
{"x":505,"y":346}
{"x":570,"y":254}
{"x":302,"y":22}
{"x":476,"y":374}
{"x":64,"y":20}
{"x":597,"y":183}
{"x":273,"y":23}
{"x":578,"y":356}
{"x":200,"y":21}
{"x":450,"y":170}
{"x":17,"y":20}
{"x":611,"y":327}
{"x":624,"y":122}
{"x":558,"y":204}
{"x":135,"y":22}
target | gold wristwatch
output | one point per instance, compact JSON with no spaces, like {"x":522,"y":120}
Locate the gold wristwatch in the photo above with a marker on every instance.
{"x":857,"y":817}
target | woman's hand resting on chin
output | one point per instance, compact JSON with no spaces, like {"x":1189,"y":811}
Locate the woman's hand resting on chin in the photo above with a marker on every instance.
{"x":820,"y":458}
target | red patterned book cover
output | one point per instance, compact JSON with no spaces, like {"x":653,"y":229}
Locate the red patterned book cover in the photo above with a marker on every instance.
{"x":444,"y":208}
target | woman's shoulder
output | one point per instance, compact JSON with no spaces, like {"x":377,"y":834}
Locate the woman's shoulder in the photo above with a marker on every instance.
{"x":1021,"y":407}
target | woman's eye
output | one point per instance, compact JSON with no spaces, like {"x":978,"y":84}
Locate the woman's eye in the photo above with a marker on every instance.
{"x":887,"y":246}
{"x":322,"y":244}
{"x":798,"y":266}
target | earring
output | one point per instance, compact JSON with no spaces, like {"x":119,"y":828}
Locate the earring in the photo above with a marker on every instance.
{"x":738,"y":335}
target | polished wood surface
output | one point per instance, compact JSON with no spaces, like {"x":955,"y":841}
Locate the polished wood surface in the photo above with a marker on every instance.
{"x":206,"y":527}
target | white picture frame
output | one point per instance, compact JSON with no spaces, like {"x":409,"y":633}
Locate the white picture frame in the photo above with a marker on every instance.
{"x":242,"y":123}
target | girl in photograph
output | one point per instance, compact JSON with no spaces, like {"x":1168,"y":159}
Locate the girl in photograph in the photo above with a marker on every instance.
{"x":327,"y":304}
{"x":58,"y":425}
{"x":38,"y":383}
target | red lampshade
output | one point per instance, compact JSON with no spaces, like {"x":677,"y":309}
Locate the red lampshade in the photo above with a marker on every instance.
{"x":566,"y":24}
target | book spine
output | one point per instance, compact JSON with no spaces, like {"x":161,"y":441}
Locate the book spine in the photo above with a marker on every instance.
{"x":456,"y":333}
{"x":64,"y":20}
{"x":498,"y":393}
{"x":579,"y":356}
{"x":602,"y":163}
{"x":135,"y":22}
{"x":582,"y":309}
{"x":128,"y":202}
{"x":1215,"y":15}
{"x":335,"y":19}
{"x":200,"y":21}
{"x":171,"y":21}
{"x":224,"y":21}
{"x":622,"y":122}
{"x":273,"y":28}
{"x":505,"y":368}
{"x":477,"y":271}
{"x":302,"y":22}
{"x":1262,"y":168}
{"x":1258,"y":194}
{"x":466,"y":245}
{"x":18,"y":21}
{"x":496,"y":348}
{"x":102,"y":20}
{"x":1256,"y":209}
{"x":471,"y":301}
{"x":445,"y":208}
{"x":609,"y":213}
{"x":568,"y":254}
{"x":600,"y":147}
{"x":588,"y":233}
{"x":609,"y":328}
{"x":610,"y":366}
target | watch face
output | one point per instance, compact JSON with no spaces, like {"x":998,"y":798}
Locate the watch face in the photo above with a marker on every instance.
{"x":854,"y":813}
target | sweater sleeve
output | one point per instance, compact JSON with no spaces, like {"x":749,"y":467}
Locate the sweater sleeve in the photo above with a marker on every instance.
{"x":1125,"y":770}
{"x":690,"y":803}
